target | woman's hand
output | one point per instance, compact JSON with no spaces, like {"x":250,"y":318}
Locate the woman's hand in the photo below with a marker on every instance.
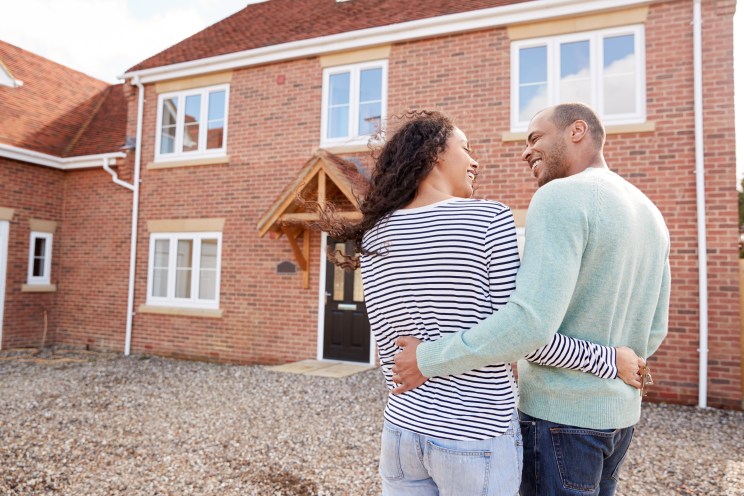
{"x":628,"y":366}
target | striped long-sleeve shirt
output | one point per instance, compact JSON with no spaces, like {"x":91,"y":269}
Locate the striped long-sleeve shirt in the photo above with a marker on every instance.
{"x":441,"y":269}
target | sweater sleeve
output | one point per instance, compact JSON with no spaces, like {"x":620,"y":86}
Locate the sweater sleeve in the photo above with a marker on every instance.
{"x":557,"y":230}
{"x":562,"y":351}
{"x":660,"y":322}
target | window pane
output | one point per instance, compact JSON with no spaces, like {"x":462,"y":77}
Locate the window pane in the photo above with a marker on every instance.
{"x":533,"y":81}
{"x":39,"y":247}
{"x":339,"y":275}
{"x":533,"y":65}
{"x":207,"y":284}
{"x":183,"y":268}
{"x":358,"y":289}
{"x":575,"y":60}
{"x":168,"y":140}
{"x":619,"y":54}
{"x":370,"y":85}
{"x":532,"y":99}
{"x":619,"y":75}
{"x":162,"y":248}
{"x":216,"y":120}
{"x":168,"y":125}
{"x":620,"y":96}
{"x":38,"y":269}
{"x":160,"y":282}
{"x":338,"y":122}
{"x":170,"y":111}
{"x":575,"y":84}
{"x":160,"y":268}
{"x":339,"y":89}
{"x":191,"y":121}
{"x":216,"y":105}
{"x":209,"y":254}
{"x":369,"y":118}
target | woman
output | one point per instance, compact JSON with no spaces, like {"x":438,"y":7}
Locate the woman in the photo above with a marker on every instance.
{"x":434,"y":262}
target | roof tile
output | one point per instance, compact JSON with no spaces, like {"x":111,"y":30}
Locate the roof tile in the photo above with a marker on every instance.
{"x":50,"y":112}
{"x":282,"y":21}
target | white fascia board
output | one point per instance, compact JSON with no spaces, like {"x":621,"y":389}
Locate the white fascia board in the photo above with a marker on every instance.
{"x":68,"y":163}
{"x":530,"y":11}
{"x":89,"y":161}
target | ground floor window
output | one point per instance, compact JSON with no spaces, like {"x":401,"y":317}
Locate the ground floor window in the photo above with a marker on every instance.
{"x":40,"y":258}
{"x":184,"y":269}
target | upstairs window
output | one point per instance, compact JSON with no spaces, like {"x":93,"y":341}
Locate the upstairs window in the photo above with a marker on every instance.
{"x":184,"y":270}
{"x":40,"y":258}
{"x":192,"y":123}
{"x":604,"y":69}
{"x":354,"y":102}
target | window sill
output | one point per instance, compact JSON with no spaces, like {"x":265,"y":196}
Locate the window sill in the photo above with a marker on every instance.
{"x":224,"y":159}
{"x":188,"y":312}
{"x":642,"y":127}
{"x":346,"y":148}
{"x":39,"y":288}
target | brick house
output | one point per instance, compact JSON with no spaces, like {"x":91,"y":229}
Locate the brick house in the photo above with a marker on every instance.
{"x":282,"y":97}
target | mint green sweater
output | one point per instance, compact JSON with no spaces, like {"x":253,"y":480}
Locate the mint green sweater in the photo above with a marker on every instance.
{"x":595,"y":267}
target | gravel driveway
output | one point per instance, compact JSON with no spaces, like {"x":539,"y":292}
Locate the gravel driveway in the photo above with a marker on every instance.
{"x":102,"y":424}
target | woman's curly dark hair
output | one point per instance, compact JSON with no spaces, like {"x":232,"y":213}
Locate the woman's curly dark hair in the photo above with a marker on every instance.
{"x":404,"y":161}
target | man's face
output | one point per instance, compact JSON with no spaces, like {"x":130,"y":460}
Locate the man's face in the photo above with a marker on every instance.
{"x":545,"y":153}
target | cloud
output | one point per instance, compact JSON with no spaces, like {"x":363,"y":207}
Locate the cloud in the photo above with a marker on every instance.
{"x":102,"y":38}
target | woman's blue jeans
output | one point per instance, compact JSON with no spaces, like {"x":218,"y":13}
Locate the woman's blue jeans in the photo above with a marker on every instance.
{"x":562,"y":460}
{"x":415,"y":465}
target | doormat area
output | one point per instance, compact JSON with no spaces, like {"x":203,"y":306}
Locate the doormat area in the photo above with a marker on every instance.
{"x":321,"y":368}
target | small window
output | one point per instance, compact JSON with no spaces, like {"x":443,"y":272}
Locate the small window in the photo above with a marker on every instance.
{"x":354,"y":102}
{"x":192,"y":124}
{"x":40,"y":258}
{"x":184,"y":270}
{"x":604,"y":69}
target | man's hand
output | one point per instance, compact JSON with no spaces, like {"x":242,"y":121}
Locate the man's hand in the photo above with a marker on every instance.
{"x":405,"y":371}
{"x":628,"y":366}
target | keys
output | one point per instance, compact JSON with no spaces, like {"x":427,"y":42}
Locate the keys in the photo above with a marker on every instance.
{"x":646,"y":379}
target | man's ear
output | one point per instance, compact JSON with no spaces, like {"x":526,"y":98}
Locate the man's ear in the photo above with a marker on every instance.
{"x":579,"y":131}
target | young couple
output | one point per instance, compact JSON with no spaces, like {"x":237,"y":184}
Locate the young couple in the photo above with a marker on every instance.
{"x":592,"y":291}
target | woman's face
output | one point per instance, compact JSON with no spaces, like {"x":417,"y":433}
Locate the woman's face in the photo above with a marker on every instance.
{"x":456,"y":165}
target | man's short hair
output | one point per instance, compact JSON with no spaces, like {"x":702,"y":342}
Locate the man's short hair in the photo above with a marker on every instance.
{"x":566,"y":114}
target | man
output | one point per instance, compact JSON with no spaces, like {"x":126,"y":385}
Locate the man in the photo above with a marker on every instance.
{"x":596,"y":260}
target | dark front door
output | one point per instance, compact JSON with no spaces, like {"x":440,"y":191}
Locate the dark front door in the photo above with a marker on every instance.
{"x":346,"y":333}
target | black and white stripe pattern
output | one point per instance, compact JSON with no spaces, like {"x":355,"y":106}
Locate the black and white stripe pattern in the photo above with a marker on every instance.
{"x":441,"y":269}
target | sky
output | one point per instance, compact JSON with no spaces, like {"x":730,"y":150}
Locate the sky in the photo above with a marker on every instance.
{"x":104,"y":38}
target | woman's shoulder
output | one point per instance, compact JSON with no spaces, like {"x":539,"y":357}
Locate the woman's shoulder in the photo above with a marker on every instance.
{"x":492,"y":207}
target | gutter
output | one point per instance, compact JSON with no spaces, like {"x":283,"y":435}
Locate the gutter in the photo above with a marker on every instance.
{"x":700,"y":189}
{"x":521,"y":12}
{"x":135,"y":213}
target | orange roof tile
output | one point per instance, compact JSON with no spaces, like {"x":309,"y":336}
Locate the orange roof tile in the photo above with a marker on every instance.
{"x":281,"y":21}
{"x":52,"y":110}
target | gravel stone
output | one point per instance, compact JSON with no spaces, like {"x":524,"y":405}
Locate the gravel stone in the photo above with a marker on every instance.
{"x":83,"y":423}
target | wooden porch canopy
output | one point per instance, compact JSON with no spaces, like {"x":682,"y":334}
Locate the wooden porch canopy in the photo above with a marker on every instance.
{"x":325,"y":178}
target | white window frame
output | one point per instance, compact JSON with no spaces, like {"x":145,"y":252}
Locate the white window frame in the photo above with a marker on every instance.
{"x":352,"y":138}
{"x":194,"y":301}
{"x":46,"y":278}
{"x":596,"y":55}
{"x":201,"y":150}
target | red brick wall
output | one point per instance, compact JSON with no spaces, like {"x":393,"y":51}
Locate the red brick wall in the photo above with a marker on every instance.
{"x":274,"y":127}
{"x":94,"y":258}
{"x":267,"y":318}
{"x":34,"y":192}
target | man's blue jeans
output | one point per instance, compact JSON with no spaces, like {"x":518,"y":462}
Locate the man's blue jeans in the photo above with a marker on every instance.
{"x":564,"y":460}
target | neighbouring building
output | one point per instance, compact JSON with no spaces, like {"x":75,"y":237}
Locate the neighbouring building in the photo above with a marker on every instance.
{"x":203,"y":151}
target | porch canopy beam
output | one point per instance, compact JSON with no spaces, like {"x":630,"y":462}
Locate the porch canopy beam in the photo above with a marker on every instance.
{"x":325,"y":180}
